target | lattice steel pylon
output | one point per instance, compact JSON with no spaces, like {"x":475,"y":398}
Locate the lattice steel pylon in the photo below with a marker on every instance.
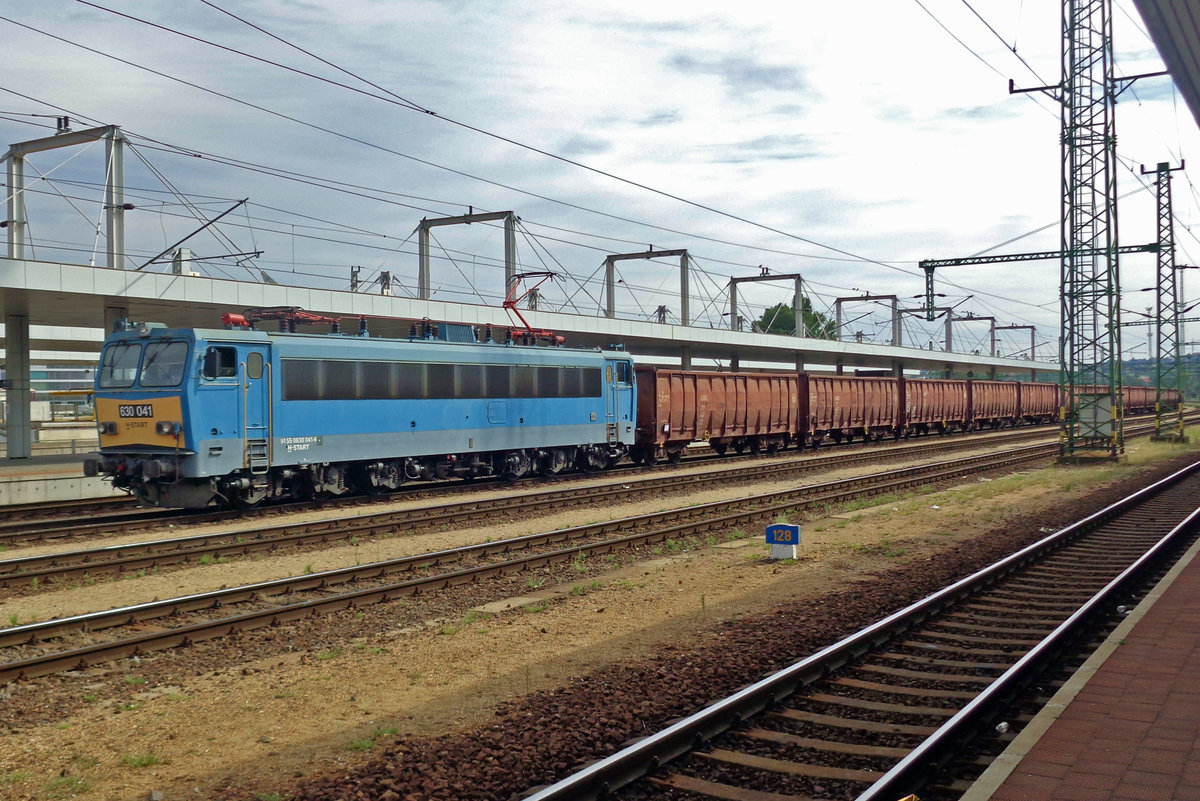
{"x":1090,"y":278}
{"x":1167,"y":372}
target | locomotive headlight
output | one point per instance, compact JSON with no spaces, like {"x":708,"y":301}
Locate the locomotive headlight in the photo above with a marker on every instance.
{"x":106,"y":428}
{"x":167,"y":429}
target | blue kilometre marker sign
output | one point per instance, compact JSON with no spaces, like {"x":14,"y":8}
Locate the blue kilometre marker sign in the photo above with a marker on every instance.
{"x":783,"y":539}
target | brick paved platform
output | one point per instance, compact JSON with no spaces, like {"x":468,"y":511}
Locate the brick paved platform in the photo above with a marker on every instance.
{"x":1126,"y":727}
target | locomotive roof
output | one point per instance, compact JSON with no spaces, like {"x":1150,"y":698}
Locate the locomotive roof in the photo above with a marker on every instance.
{"x":344,"y":339}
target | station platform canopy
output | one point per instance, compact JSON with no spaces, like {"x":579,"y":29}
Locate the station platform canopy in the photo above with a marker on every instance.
{"x":78,"y":302}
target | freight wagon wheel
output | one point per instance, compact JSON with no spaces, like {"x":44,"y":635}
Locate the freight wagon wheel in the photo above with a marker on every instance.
{"x":675,"y":456}
{"x":719,"y":448}
{"x":755,"y":446}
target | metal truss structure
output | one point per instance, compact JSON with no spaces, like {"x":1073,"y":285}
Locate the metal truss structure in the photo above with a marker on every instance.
{"x":1090,"y":275}
{"x":1167,"y":372}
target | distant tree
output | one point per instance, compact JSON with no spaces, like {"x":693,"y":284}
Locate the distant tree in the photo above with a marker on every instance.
{"x":780,"y":319}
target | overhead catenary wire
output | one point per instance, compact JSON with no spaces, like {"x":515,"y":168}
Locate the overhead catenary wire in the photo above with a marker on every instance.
{"x":359,"y":140}
{"x":890,"y":266}
{"x":317,"y":182}
{"x":856,"y":259}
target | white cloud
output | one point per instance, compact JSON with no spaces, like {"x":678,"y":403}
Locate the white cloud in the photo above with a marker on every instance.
{"x":863,"y":126}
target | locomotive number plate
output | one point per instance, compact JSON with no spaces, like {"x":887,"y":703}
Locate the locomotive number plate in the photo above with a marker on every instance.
{"x":135,"y":410}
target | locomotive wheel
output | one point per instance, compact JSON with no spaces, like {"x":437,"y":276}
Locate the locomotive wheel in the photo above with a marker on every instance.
{"x":555,"y":462}
{"x":516,"y":464}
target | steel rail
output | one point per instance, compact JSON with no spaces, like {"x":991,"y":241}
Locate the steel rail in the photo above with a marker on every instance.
{"x":18,"y":531}
{"x":913,"y":771}
{"x":39,"y":510}
{"x":607,"y":775}
{"x":152,"y":554}
{"x":654,"y":527}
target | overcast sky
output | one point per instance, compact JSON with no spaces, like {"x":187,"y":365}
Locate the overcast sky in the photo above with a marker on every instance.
{"x":843,"y":141}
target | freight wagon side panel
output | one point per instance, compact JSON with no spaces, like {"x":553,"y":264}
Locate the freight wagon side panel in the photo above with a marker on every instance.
{"x":932,"y":402}
{"x":882,"y":402}
{"x":993,"y":401}
{"x":851,"y":404}
{"x":1039,"y":401}
{"x":772,"y":403}
{"x":818,"y":411}
{"x":1139,"y":400}
{"x":803,"y":426}
{"x":678,"y":407}
{"x":648,"y":402}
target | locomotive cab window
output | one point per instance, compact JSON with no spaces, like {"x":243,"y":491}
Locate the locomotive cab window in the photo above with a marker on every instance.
{"x":623,"y":376}
{"x":164,"y":364}
{"x":220,"y":362}
{"x":118,"y":367}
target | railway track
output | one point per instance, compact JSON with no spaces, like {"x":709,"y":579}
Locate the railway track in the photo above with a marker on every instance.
{"x":77,"y":509}
{"x":890,"y":710}
{"x":38,"y":648}
{"x":153,"y":555}
{"x":47,"y":570}
{"x":38,"y":522}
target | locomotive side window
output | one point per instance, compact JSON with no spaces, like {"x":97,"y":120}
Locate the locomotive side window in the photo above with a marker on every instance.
{"x":547,"y":382}
{"x":332,"y":379}
{"x":623,"y":376}
{"x":254,"y":365}
{"x":339,"y":380}
{"x":220,"y":362}
{"x":118,"y":367}
{"x":524,"y":382}
{"x":470,"y":381}
{"x":441,"y":381}
{"x":374,"y":380}
{"x":582,"y":382}
{"x":164,"y":364}
{"x":410,"y":380}
{"x":301,"y":379}
{"x":499,"y":381}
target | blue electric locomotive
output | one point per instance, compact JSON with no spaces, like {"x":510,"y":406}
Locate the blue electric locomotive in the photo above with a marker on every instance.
{"x":195,"y":417}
